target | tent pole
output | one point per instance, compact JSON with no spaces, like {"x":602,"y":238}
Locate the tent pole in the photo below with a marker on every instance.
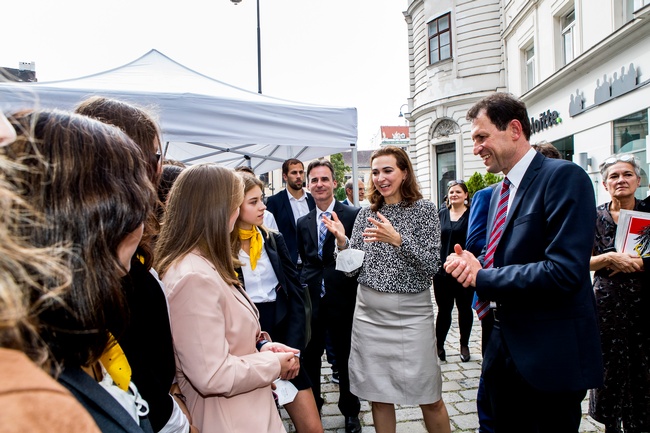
{"x":355,"y":169}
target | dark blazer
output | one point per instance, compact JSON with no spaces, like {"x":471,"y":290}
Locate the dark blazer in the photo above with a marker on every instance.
{"x":477,"y":225}
{"x":278,"y":204}
{"x":290,"y":296}
{"x":540,"y":279}
{"x":343,"y":289}
{"x":109,"y":415}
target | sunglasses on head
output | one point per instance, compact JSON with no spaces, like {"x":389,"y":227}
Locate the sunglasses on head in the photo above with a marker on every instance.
{"x":621,"y":158}
{"x":455,"y":182}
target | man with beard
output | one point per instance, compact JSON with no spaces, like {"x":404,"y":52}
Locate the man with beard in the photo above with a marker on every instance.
{"x":290,"y":204}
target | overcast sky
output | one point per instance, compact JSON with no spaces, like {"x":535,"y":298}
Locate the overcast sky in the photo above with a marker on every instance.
{"x":349,"y":53}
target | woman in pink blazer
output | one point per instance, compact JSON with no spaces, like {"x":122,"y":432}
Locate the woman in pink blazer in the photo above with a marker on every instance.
{"x":225,"y":366}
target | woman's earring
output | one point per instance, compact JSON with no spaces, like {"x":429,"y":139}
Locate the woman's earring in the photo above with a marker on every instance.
{"x":466,"y":201}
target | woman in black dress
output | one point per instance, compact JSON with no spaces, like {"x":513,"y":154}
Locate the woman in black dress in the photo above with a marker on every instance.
{"x":621,"y":289}
{"x":453,"y":230}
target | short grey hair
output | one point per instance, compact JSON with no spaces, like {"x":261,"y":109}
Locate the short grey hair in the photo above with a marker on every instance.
{"x":623,"y":157}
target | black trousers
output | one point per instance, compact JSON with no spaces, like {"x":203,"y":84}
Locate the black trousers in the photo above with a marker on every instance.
{"x":447,"y":290}
{"x":515,"y":406}
{"x":334,"y":317}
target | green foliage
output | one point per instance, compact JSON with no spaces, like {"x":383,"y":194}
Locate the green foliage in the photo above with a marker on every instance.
{"x":491,"y":179}
{"x":477,"y":181}
{"x":339,"y":175}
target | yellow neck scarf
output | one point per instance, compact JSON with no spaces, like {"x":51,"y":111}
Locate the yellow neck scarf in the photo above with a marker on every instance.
{"x":256,"y":244}
{"x":115,"y":362}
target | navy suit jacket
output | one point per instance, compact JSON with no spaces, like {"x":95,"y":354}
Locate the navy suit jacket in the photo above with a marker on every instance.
{"x":477,"y":225}
{"x":540,"y":279}
{"x":109,"y":415}
{"x":290,"y":296}
{"x":340,"y":288}
{"x":278,"y":204}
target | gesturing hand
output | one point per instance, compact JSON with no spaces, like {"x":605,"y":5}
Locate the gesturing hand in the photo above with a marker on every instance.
{"x":382,"y":231}
{"x":335,"y":226}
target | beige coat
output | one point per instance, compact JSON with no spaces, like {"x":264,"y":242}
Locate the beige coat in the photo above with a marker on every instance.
{"x":215,"y":326}
{"x":31,"y":401}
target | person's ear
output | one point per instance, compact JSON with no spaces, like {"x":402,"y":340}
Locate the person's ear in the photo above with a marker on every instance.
{"x":516,"y":129}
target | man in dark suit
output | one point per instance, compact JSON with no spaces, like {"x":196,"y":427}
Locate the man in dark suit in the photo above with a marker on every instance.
{"x":544,"y":350}
{"x":333,"y":295}
{"x":290,"y":204}
{"x":349,"y":193}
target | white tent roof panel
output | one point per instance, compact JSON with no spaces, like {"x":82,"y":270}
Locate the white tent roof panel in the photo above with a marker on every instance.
{"x":203,"y":119}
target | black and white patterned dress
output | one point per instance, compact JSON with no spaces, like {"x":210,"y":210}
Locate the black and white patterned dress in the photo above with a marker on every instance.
{"x":622,"y":303}
{"x":393,"y":355}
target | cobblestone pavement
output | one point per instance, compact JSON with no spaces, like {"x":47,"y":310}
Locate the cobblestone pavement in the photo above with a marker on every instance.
{"x":460,"y":383}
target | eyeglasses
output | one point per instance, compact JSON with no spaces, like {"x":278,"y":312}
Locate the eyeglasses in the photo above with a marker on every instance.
{"x":158,"y":156}
{"x":455,"y":182}
{"x":621,"y":158}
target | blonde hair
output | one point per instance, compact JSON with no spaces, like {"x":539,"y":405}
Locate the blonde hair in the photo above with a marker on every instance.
{"x":31,"y":278}
{"x":198,"y":212}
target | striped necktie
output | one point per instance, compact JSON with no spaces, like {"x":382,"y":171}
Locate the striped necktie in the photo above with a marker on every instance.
{"x":322,"y":232}
{"x":482,"y":307}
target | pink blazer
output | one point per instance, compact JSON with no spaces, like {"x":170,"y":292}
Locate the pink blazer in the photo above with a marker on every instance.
{"x":215,"y":326}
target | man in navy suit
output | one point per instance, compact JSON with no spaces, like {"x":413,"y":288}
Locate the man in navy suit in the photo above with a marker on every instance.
{"x":290,"y":204}
{"x":544,"y":350}
{"x":333,"y":295}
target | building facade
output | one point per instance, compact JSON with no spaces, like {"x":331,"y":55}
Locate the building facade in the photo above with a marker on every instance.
{"x":455,"y":59}
{"x":581,"y":66}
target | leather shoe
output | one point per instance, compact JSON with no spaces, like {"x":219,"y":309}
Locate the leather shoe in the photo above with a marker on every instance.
{"x":442,"y":355}
{"x":352,"y":424}
{"x":464,"y":353}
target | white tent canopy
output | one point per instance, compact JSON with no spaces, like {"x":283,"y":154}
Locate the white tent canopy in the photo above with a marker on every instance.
{"x":203,"y":119}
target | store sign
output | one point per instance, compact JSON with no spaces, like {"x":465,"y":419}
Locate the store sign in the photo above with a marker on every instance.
{"x":546,"y":120}
{"x":610,"y":88}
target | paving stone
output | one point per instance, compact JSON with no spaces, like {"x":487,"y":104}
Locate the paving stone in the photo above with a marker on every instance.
{"x":466,"y":406}
{"x":460,"y":384}
{"x":411,"y":427}
{"x":450,"y":386}
{"x":467,"y":422}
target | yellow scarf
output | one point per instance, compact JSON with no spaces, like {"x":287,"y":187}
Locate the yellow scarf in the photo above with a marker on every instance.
{"x":256,"y":244}
{"x":115,"y":362}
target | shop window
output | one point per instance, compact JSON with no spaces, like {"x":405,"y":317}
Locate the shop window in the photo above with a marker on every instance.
{"x":440,"y":39}
{"x":630,"y":134}
{"x":565,"y":147}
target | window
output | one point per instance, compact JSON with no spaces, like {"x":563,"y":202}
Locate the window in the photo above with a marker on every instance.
{"x":567,"y":23}
{"x":446,"y":168}
{"x":565,"y":147}
{"x":440,"y":39}
{"x":629,"y":137}
{"x":529,"y":56}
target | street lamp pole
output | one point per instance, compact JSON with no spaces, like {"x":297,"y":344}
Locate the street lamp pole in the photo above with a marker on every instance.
{"x":259,"y":51}
{"x":259,"y":47}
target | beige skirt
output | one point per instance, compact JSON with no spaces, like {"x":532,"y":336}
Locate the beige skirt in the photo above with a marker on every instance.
{"x":393,"y":355}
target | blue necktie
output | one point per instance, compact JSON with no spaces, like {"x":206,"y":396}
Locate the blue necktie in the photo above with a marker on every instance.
{"x":322,"y":232}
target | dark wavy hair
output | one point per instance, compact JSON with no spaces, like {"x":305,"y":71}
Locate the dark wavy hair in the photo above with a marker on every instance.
{"x":502,"y":108}
{"x":409,"y":189}
{"x":140,"y":125}
{"x":89,"y":180}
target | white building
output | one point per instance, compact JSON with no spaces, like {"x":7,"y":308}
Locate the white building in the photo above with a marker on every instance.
{"x":581,"y":66}
{"x":456,"y":58}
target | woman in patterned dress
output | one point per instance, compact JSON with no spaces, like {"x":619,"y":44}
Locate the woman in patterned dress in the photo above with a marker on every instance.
{"x":393,"y":358}
{"x":620,"y":285}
